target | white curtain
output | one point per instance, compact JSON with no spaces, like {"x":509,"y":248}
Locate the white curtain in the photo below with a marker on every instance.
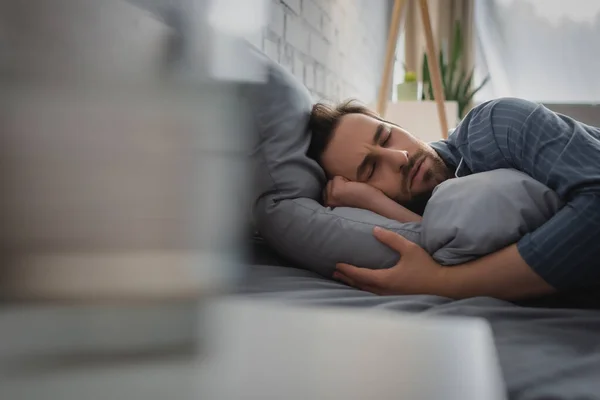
{"x":541,"y":50}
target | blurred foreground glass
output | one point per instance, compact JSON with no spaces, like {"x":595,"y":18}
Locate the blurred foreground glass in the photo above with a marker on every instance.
{"x":123,"y":158}
{"x":123,"y":149}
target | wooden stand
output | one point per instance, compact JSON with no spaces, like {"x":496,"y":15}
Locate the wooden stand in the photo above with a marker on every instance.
{"x":432,"y":60}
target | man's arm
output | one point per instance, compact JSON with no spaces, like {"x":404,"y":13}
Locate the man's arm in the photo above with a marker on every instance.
{"x":340,"y":192}
{"x":569,"y":257}
{"x":565,"y":251}
{"x":503,"y":275}
{"x":557,"y":255}
{"x":559,"y":152}
{"x":380,"y":204}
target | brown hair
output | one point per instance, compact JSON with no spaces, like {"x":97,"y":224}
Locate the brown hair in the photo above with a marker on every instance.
{"x":325,"y":118}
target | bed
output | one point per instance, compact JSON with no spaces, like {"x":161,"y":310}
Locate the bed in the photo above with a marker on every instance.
{"x":548,"y":349}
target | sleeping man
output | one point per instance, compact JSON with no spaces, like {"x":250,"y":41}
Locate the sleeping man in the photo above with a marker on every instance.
{"x":378,"y":166}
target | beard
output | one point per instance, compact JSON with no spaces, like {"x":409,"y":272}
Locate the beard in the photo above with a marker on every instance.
{"x":418,"y":203}
{"x":438,"y":173}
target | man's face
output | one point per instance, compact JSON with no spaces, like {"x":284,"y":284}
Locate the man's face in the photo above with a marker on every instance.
{"x":364,"y":149}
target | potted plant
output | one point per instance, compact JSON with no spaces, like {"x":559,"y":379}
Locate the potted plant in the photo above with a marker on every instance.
{"x":456,"y":81}
{"x":409,"y":89}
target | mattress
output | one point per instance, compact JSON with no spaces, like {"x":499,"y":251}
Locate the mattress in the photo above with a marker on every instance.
{"x":548,"y":349}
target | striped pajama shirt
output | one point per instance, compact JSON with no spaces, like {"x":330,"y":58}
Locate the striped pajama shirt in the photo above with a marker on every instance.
{"x":558,"y":151}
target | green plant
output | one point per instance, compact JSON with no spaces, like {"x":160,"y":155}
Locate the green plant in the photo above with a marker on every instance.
{"x":410,"y":76}
{"x":457,"y":84}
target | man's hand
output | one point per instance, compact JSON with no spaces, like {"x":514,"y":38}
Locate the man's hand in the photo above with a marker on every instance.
{"x":340,"y":192}
{"x":503,"y":274}
{"x":415,"y":273}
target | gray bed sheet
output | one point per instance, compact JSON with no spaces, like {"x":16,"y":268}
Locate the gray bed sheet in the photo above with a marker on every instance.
{"x":547,"y":350}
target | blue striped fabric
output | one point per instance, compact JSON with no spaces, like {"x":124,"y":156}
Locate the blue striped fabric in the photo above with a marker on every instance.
{"x":556,"y":150}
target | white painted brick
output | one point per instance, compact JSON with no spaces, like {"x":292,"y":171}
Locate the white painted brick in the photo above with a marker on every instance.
{"x":320,"y":85}
{"x":343,"y":6}
{"x":294,"y":5}
{"x":340,"y":66}
{"x":335,"y":47}
{"x":272,"y":49}
{"x":328,"y":29}
{"x":326,"y":7}
{"x":309,"y":76}
{"x":330,"y":81}
{"x":276,"y":19}
{"x":337,"y":15}
{"x":286,"y":58}
{"x":351,"y":9}
{"x":296,"y":33}
{"x":316,"y":96}
{"x":298,"y":68}
{"x":351,"y":92}
{"x":343,"y":42}
{"x":334,"y":61}
{"x":256,"y":39}
{"x":337,"y":92}
{"x":346,"y":72}
{"x":319,"y":49}
{"x":336,"y":5}
{"x":312,"y":14}
{"x":343,"y":92}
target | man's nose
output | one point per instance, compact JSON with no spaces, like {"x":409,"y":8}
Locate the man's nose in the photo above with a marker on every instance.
{"x":396,"y":158}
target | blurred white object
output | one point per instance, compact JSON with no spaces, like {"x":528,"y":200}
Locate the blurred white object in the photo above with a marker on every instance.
{"x":231,"y":22}
{"x":120,"y":153}
{"x":259,"y":350}
{"x":123,"y":163}
{"x":238,"y":17}
{"x":266,"y":351}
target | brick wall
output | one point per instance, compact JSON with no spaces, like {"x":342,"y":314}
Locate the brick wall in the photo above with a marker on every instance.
{"x":335,"y":47}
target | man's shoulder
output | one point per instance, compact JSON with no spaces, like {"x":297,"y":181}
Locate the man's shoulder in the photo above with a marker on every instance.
{"x":503,"y":105}
{"x":479,"y":142}
{"x":446,"y":151}
{"x":491,"y":122}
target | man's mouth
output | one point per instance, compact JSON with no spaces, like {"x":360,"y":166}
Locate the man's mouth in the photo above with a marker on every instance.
{"x":414,"y":172}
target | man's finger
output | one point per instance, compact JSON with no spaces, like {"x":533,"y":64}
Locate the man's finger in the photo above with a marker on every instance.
{"x":330,"y":198}
{"x":361,"y":276}
{"x":343,"y":278}
{"x":392,"y":240}
{"x":327,"y":194}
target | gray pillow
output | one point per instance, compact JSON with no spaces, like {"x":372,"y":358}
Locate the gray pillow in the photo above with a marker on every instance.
{"x":475,"y":215}
{"x":286,"y":208}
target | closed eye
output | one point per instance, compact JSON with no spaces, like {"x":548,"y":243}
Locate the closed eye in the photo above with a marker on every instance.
{"x":372,"y":172}
{"x":386,"y":141}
